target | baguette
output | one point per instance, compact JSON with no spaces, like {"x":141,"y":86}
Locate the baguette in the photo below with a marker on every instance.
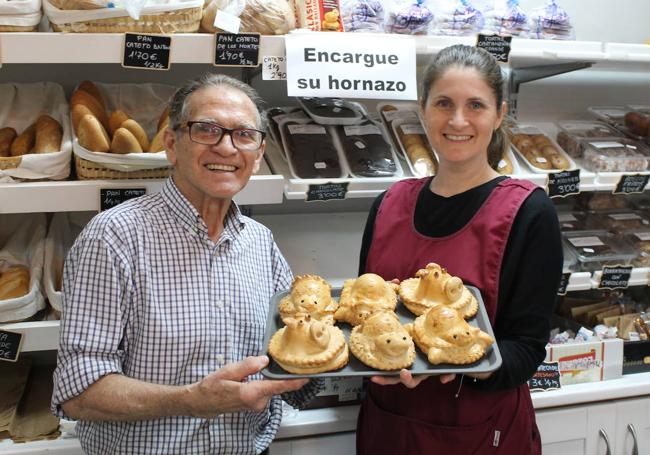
{"x":157,"y":144}
{"x":125,"y":142}
{"x":24,"y":143}
{"x":7,"y":136}
{"x":92,"y":135}
{"x":14,"y":283}
{"x":48,"y":135}
{"x":116,"y":119}
{"x":139,"y":133}
{"x":85,"y":98}
{"x":93,"y":90}
{"x":78,"y":111}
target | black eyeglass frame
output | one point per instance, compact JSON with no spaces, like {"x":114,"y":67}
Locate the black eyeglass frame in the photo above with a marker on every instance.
{"x":224,"y":130}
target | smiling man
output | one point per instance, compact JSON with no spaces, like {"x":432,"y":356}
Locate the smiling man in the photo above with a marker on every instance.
{"x":165,"y":299}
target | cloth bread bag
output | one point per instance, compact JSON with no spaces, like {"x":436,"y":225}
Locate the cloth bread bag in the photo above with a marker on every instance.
{"x":20,"y":13}
{"x":22,"y":238}
{"x":21,"y":105}
{"x":143,"y":103}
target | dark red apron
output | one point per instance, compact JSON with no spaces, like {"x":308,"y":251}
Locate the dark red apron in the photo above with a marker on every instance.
{"x":434,"y":417}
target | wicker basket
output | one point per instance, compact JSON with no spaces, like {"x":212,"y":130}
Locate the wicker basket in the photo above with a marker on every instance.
{"x":18,"y":28}
{"x":10,"y":162}
{"x":87,"y":170}
{"x":179,"y":21}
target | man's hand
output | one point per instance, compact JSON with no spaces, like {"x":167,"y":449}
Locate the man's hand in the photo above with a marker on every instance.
{"x":227,"y":389}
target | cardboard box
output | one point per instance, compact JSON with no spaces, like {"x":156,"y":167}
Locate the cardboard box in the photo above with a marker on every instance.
{"x":587,"y":362}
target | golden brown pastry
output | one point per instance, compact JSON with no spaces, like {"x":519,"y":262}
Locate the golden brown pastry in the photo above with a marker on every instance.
{"x":7,"y":136}
{"x":381,"y":342}
{"x":139,"y":133}
{"x":93,"y":90}
{"x":78,"y":111}
{"x":505,"y":166}
{"x":92,"y":135}
{"x":14,"y":283}
{"x":157,"y":144}
{"x":364,"y":296}
{"x":125,"y":142}
{"x":85,"y":98}
{"x":164,"y":118}
{"x":307,"y":346}
{"x":24,"y":143}
{"x":445,"y":337}
{"x":434,"y":286}
{"x":48,"y":135}
{"x":312,"y":295}
{"x":115,"y":120}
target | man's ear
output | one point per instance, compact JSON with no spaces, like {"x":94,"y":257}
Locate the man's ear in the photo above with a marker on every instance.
{"x":169,"y":140}
{"x":260,"y":157}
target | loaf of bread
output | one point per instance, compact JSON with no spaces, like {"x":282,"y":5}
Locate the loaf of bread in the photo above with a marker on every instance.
{"x":85,"y":98}
{"x":14,"y":283}
{"x":115,"y":120}
{"x":24,"y":143}
{"x":78,"y":111}
{"x":92,"y":89}
{"x":125,"y":142}
{"x":92,"y":135}
{"x":139,"y":132}
{"x":48,"y":135}
{"x":164,"y":118}
{"x":7,"y":136}
{"x":157,"y":144}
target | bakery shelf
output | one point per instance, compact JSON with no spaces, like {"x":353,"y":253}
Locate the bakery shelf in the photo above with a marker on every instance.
{"x":37,"y":335}
{"x":579,"y":281}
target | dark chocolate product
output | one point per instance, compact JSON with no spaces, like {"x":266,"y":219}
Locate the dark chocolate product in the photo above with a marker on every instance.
{"x":367,"y":152}
{"x":329,"y":108}
{"x":311,"y":150}
{"x":274,"y":115}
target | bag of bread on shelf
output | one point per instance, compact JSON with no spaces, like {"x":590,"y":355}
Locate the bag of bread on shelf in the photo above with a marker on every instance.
{"x":119,"y":127}
{"x":506,"y":18}
{"x":266,"y":17}
{"x":409,"y":17}
{"x":97,"y":16}
{"x":457,"y":18}
{"x":20,"y":15}
{"x":551,"y":21}
{"x":363,"y":15}
{"x":35,"y":139}
{"x":22,"y":238}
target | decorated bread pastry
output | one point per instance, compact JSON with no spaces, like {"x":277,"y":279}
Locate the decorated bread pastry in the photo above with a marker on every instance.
{"x":434,"y":286}
{"x":310,"y":294}
{"x":445,"y":337}
{"x":307,"y":346}
{"x":364,"y":296}
{"x":381,"y":342}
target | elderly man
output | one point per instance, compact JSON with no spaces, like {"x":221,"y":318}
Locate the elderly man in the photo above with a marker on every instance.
{"x":165,"y":299}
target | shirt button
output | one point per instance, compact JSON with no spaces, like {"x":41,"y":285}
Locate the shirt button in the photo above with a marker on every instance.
{"x":220,"y":358}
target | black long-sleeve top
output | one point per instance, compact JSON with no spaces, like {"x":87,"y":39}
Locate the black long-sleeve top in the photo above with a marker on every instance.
{"x":530,"y":272}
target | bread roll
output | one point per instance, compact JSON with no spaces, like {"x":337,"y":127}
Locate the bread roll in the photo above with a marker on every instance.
{"x":125,"y":142}
{"x":78,"y":111}
{"x":164,"y":118}
{"x":116,"y":119}
{"x":7,"y":136}
{"x":157,"y":144}
{"x":92,"y":135}
{"x":92,"y":89}
{"x":14,"y":283}
{"x":139,"y":132}
{"x":24,"y":143}
{"x":85,"y":98}
{"x":48,"y":135}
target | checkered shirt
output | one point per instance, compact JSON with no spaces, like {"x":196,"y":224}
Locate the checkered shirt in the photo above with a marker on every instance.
{"x":149,"y":295}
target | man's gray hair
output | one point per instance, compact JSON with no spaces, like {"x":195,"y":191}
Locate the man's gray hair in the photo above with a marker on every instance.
{"x":178,"y":105}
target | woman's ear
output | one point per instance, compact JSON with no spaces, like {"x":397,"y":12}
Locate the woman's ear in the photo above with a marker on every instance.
{"x":501,"y":114}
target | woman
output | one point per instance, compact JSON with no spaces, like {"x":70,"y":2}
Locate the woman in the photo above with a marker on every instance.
{"x":496,"y":233}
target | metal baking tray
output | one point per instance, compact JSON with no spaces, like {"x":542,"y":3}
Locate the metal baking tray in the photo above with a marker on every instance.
{"x":490,"y":362}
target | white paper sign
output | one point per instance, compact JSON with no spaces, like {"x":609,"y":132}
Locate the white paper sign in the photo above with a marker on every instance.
{"x":332,"y":65}
{"x":227,"y":22}
{"x":274,"y":68}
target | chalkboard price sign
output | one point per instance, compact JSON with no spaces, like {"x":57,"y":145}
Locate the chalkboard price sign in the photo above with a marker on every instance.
{"x":237,"y":49}
{"x":564,"y":282}
{"x":631,"y":183}
{"x":547,"y":377}
{"x":562,"y":184}
{"x":110,"y":197}
{"x":149,"y":52}
{"x":327,"y":191}
{"x":10,"y":345}
{"x":615,"y":277}
{"x":498,"y":46}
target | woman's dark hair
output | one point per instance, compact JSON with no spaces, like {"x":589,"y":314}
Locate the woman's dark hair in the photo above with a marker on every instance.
{"x":464,"y":56}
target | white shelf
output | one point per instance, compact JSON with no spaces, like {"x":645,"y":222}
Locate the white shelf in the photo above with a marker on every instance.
{"x":37,"y":336}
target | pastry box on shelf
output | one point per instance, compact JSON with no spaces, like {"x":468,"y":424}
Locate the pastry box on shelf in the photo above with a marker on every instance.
{"x":595,"y":250}
{"x":615,"y":155}
{"x":572,"y":134}
{"x":589,"y":361}
{"x":540,"y":153}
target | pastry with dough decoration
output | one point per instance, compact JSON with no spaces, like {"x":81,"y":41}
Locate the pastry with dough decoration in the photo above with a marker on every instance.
{"x":445,"y":337}
{"x":308,"y":346}
{"x":312,"y":295}
{"x":432,"y":286}
{"x":364,"y":296}
{"x":381,"y":342}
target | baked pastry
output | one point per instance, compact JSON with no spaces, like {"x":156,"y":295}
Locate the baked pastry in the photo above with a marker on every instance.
{"x":14,"y":283}
{"x":115,"y":120}
{"x":92,"y":89}
{"x":137,"y":131}
{"x":164,"y":118}
{"x":48,"y":135}
{"x":307,"y":346}
{"x":445,"y":337}
{"x":125,"y":142}
{"x":157,"y":144}
{"x":92,"y":135}
{"x":381,"y":342}
{"x":311,"y":295}
{"x":364,"y":296}
{"x":78,"y":111}
{"x":7,"y":136}
{"x":434,"y":286}
{"x":24,"y":143}
{"x":85,"y":98}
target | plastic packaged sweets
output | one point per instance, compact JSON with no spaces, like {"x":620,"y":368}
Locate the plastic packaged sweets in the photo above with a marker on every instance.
{"x":506,"y":17}
{"x":363,"y":15}
{"x":410,"y":17}
{"x":366,"y":150}
{"x":458,"y":18}
{"x":551,"y":22}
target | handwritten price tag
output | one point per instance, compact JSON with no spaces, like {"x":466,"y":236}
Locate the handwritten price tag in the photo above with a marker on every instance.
{"x":274,"y":68}
{"x":146,"y":51}
{"x":562,"y":184}
{"x":237,"y":49}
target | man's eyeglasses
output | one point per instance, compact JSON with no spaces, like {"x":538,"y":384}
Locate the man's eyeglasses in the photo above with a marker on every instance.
{"x":208,"y":133}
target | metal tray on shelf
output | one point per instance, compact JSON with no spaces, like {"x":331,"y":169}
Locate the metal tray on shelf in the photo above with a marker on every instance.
{"x":489,"y":362}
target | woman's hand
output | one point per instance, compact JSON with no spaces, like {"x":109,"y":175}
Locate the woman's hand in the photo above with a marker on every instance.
{"x":405,"y":377}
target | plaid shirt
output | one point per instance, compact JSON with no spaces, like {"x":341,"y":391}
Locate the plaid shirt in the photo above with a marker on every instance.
{"x":149,"y":295}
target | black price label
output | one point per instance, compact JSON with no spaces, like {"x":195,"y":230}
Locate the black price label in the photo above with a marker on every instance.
{"x":10,"y":345}
{"x":564,"y":283}
{"x":615,"y":277}
{"x":562,"y":184}
{"x":149,"y":52}
{"x":498,"y":46}
{"x":631,"y":183}
{"x":110,"y":197}
{"x":547,"y":377}
{"x":327,"y":191}
{"x":237,"y":49}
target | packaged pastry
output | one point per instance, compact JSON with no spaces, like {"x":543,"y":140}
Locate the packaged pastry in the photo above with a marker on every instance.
{"x":507,"y":18}
{"x":367,"y":152}
{"x":392,"y":111}
{"x":266,"y":17}
{"x":310,"y":150}
{"x":619,"y":221}
{"x":615,"y":155}
{"x":640,"y":239}
{"x":458,"y":18}
{"x":602,"y":200}
{"x":409,"y":17}
{"x":275,"y":114}
{"x":551,"y":21}
{"x":332,"y":111}
{"x":362,"y":15}
{"x":319,"y":15}
{"x":638,"y":121}
{"x":539,"y":151}
{"x":579,"y":221}
{"x":507,"y":164}
{"x":595,"y":250}
{"x":572,"y":132}
{"x":612,"y":115}
{"x":415,"y":147}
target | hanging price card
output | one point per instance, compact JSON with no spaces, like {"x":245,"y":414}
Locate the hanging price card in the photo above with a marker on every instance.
{"x":110,"y":197}
{"x":631,"y":183}
{"x":564,"y":283}
{"x":498,"y":46}
{"x":10,"y":345}
{"x":237,"y":49}
{"x":274,"y":68}
{"x":327,"y":191}
{"x":150,"y":52}
{"x":615,"y":277}
{"x":562,"y":184}
{"x":547,"y":377}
